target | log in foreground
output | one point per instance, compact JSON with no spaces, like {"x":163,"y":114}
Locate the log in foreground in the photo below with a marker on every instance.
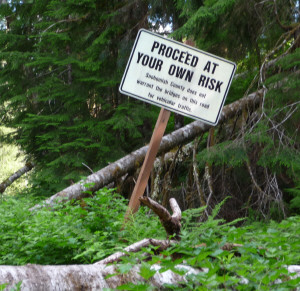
{"x":81,"y":277}
{"x":126,"y":164}
{"x":93,"y":277}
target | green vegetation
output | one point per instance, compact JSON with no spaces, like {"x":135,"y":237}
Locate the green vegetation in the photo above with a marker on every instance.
{"x":59,"y":77}
{"x":61,"y":63}
{"x":70,"y":234}
{"x":89,"y":230}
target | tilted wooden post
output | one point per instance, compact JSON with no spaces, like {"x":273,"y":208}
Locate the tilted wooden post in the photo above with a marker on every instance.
{"x":142,"y":181}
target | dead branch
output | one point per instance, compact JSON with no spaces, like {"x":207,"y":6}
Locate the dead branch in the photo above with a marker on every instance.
{"x":208,"y":167}
{"x":196,"y":175}
{"x":162,"y":244}
{"x":171,"y":223}
{"x":15,"y":176}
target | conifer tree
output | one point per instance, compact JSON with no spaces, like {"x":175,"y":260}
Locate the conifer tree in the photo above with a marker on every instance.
{"x":257,"y":156}
{"x":61,"y":63}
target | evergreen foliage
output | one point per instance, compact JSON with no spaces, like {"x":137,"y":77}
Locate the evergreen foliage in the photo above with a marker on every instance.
{"x":61,"y":62}
{"x":255,"y":156}
{"x":11,"y":160}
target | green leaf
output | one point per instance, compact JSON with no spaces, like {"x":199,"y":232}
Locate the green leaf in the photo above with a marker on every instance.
{"x":146,"y":272}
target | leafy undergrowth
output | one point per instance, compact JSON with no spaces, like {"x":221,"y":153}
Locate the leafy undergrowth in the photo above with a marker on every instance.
{"x":89,"y":230}
{"x":75,"y":232}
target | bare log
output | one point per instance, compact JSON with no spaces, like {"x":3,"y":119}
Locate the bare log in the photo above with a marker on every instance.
{"x":96,"y":276}
{"x":126,"y":164}
{"x":81,"y":277}
{"x":15,"y":176}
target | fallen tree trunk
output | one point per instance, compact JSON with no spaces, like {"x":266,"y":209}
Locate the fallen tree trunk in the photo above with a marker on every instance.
{"x":15,"y":176}
{"x":81,"y":277}
{"x":119,"y":168}
{"x":92,"y":277}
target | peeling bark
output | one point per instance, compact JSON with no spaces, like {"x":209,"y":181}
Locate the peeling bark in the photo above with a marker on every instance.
{"x":15,"y":176}
{"x":119,"y":168}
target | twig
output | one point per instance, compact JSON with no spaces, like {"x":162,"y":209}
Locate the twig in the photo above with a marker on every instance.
{"x":196,"y":175}
{"x":162,"y":244}
{"x":87,"y":167}
{"x":65,"y":20}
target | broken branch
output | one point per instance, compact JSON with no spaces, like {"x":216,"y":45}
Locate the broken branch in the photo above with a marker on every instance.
{"x":171,"y":223}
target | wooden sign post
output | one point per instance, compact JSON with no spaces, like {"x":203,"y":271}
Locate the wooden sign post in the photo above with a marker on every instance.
{"x":143,"y":178}
{"x":178,"y":78}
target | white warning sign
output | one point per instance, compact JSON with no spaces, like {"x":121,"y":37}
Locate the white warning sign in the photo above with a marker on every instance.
{"x":177,"y":77}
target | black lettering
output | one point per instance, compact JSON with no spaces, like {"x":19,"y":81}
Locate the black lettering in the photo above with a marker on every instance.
{"x":207,"y":67}
{"x":169,"y":52}
{"x":189,"y":75}
{"x":175,"y":58}
{"x":172,"y":70}
{"x":218,"y":87}
{"x":152,"y":62}
{"x":212,"y":84}
{"x":154,"y":46}
{"x":191,"y":91}
{"x":158,"y":65}
{"x":215,"y":65}
{"x":180,"y":72}
{"x":207,"y":82}
{"x":184,"y":107}
{"x":193,"y":101}
{"x":145,"y":60}
{"x":187,"y":58}
{"x":194,"y":61}
{"x":162,"y":49}
{"x":201,"y":80}
{"x":139,"y":56}
{"x":181,"y":57}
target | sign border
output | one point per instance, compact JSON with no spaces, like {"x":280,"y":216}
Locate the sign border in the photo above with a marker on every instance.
{"x":165,"y":106}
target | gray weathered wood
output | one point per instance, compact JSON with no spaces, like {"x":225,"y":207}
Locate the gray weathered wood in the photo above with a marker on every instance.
{"x":80,"y":277}
{"x":15,"y":176}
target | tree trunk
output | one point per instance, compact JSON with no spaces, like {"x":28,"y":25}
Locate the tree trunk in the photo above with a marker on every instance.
{"x":126,"y":164}
{"x":15,"y":176}
{"x":80,"y":277}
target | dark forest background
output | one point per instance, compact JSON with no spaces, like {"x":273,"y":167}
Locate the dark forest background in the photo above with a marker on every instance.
{"x":60,"y":67}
